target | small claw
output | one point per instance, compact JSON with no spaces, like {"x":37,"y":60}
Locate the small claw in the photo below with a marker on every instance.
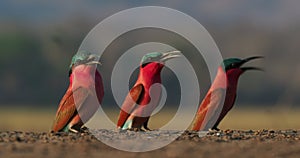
{"x":75,"y":128}
{"x":84,"y":129}
{"x":147,"y":129}
{"x":214,"y":129}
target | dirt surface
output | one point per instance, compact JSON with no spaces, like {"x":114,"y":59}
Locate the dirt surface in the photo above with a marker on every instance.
{"x":227,"y":143}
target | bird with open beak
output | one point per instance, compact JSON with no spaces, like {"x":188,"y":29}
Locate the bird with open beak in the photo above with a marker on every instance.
{"x":222,"y":94}
{"x":143,"y":98}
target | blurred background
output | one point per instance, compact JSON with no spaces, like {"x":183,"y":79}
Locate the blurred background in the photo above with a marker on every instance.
{"x":38,"y":39}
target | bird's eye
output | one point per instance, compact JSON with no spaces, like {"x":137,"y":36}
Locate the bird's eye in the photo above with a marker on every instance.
{"x":79,"y":61}
{"x":232,"y":65}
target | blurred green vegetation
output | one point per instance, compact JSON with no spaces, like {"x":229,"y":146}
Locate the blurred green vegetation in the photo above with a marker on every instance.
{"x":34,"y":64}
{"x":25,"y":72}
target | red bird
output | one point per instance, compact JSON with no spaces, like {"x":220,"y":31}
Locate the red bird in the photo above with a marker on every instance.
{"x":140,"y":102}
{"x":85,"y":81}
{"x":221,"y":95}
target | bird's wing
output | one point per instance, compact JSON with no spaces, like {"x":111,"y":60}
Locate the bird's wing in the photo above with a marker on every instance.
{"x":209,"y":110}
{"x":67,"y":107}
{"x":129,"y":103}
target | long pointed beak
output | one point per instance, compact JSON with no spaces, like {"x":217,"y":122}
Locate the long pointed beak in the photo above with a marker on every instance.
{"x":94,"y":62}
{"x":251,"y":68}
{"x":93,"y":59}
{"x":169,"y":55}
{"x":250,"y":58}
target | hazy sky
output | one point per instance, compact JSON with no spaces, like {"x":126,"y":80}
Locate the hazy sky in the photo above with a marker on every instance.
{"x":271,"y":13}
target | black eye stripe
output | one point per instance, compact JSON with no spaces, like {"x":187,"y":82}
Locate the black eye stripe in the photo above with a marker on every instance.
{"x":143,"y":65}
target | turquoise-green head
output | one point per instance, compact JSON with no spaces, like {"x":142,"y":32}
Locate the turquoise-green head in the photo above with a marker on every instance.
{"x":158,"y":57}
{"x":236,"y":63}
{"x":84,"y":57}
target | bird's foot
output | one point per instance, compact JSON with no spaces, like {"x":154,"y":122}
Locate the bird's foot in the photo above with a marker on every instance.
{"x":77,"y":129}
{"x":215,"y":129}
{"x":148,"y":129}
{"x":120,"y":130}
{"x":135,"y":129}
{"x":84,"y":129}
{"x":73,"y":130}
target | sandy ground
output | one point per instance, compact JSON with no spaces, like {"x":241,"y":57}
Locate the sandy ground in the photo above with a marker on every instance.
{"x":227,"y":143}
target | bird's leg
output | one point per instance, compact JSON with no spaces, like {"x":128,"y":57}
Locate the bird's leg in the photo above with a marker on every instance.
{"x":214,"y":129}
{"x":147,"y":128}
{"x":75,"y":128}
{"x":145,"y":125}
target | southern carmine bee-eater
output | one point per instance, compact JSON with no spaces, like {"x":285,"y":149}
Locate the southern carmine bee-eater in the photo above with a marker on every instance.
{"x":85,"y":83}
{"x":142,"y":99}
{"x":222,"y":94}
